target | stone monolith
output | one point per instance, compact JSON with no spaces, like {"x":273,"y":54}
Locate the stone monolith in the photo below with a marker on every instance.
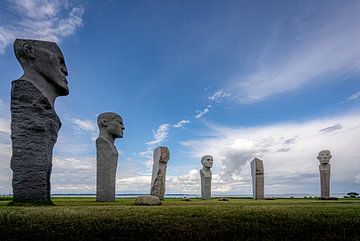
{"x":324,"y":168}
{"x":34,"y":122}
{"x":111,"y":126}
{"x":257,"y":173}
{"x":205,"y":176}
{"x":161,"y":157}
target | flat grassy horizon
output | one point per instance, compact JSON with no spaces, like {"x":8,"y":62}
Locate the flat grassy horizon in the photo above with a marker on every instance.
{"x":82,"y":218}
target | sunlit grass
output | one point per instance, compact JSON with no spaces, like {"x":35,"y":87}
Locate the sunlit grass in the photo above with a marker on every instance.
{"x":176,"y":219}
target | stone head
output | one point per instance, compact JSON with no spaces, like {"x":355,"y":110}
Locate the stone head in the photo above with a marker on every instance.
{"x":207,"y":161}
{"x":45,"y":59}
{"x":111,"y":123}
{"x":162,"y":154}
{"x":324,"y":157}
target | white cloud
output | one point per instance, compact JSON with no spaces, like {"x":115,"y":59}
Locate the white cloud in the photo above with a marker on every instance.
{"x":218,"y":96}
{"x":50,"y":20}
{"x":83,"y":125}
{"x":181,"y":124}
{"x":159,"y":135}
{"x":328,"y":49}
{"x":289,"y":153}
{"x":354,"y":96}
{"x":201,"y":113}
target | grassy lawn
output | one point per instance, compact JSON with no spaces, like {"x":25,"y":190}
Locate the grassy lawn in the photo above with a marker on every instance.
{"x":175,"y":219}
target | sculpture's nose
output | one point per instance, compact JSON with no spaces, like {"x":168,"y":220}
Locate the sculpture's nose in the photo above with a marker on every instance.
{"x":64,"y":70}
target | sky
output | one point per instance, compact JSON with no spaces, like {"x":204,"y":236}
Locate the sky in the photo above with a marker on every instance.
{"x":276,"y":80}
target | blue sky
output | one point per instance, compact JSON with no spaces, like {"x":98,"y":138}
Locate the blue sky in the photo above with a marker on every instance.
{"x":233,"y":79}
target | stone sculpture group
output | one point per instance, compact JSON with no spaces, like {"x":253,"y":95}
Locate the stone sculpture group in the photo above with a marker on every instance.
{"x":35,"y":126}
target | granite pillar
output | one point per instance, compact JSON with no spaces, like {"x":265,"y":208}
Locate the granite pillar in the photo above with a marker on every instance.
{"x":257,"y":173}
{"x":161,"y":157}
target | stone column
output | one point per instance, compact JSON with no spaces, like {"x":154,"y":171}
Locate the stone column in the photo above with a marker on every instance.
{"x":324,"y":168}
{"x":34,"y":122}
{"x":161,"y":157}
{"x":206,"y":175}
{"x":257,"y":173}
{"x":111,"y":126}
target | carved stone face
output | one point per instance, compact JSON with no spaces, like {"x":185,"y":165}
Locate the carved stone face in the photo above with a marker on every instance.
{"x":50,"y":64}
{"x":115,"y":127}
{"x":207,"y":161}
{"x":324,"y":157}
{"x":165,"y":155}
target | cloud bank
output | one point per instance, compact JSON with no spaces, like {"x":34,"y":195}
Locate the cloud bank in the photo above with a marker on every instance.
{"x":50,"y":20}
{"x":326,"y":50}
{"x":289,"y":153}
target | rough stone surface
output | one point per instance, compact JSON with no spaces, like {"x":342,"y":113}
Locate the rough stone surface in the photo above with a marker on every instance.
{"x":34,"y":122}
{"x":205,"y":176}
{"x":161,"y":157}
{"x":257,"y":173}
{"x":111,"y":127}
{"x":147,"y":200}
{"x":324,"y":168}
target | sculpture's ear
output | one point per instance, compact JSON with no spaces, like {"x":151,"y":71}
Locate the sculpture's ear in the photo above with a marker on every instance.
{"x":28,"y":50}
{"x":104,"y":123}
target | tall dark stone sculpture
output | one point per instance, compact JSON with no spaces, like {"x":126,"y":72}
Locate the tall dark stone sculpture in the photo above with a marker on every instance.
{"x":34,"y":122}
{"x":111,"y":126}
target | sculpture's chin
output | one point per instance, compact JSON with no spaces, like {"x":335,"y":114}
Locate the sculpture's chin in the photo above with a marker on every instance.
{"x":62,"y":89}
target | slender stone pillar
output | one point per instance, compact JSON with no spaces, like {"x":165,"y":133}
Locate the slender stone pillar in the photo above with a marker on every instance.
{"x":257,"y":173}
{"x":34,"y":122}
{"x":206,"y":175}
{"x":111,"y":126}
{"x":161,"y":157}
{"x":324,"y":168}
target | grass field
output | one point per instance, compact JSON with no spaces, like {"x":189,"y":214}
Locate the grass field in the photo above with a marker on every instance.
{"x":175,"y":219}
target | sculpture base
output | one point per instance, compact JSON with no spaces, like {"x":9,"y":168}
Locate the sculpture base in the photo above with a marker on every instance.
{"x":328,"y":198}
{"x":30,"y":203}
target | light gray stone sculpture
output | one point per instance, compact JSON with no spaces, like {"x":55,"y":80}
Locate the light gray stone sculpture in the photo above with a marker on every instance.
{"x":111,"y":126}
{"x":34,"y":122}
{"x":257,"y":173}
{"x":324,"y":168}
{"x":147,"y":201}
{"x":161,"y":157}
{"x":205,"y":176}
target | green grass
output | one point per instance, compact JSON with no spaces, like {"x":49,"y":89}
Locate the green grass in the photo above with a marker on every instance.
{"x":237,"y":219}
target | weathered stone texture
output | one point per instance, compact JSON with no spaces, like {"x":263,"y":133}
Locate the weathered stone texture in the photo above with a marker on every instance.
{"x":161,"y":157}
{"x":34,"y":130}
{"x":147,"y":200}
{"x":257,"y":173}
{"x":106,"y":164}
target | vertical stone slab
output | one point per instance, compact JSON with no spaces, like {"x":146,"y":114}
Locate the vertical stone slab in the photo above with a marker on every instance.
{"x":34,"y":122}
{"x":161,"y":157}
{"x":257,"y":173}
{"x":324,"y":168}
{"x":111,"y":126}
{"x":205,"y":176}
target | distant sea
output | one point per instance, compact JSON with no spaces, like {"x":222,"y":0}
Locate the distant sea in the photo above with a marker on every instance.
{"x":182,"y":195}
